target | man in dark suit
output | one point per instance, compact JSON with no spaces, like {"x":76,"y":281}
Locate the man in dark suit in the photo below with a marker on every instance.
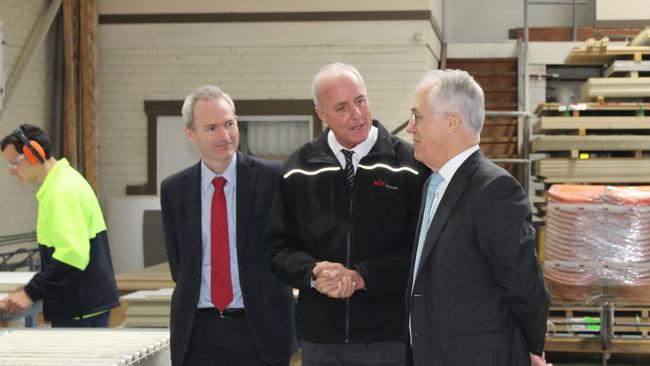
{"x":227,"y":308}
{"x":476,"y":294}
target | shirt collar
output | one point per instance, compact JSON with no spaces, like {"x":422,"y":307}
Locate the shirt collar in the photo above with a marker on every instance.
{"x":230,"y":174}
{"x":361,"y":150}
{"x":449,"y":169}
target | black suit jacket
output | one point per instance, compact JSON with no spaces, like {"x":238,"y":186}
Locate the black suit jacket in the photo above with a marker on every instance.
{"x":269,"y":304}
{"x":479,"y":296}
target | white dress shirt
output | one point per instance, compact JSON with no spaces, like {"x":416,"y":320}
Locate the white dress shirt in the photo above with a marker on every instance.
{"x":360,"y":150}
{"x":230,"y":191}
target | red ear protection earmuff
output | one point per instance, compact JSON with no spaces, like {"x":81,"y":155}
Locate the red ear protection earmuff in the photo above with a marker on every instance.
{"x":32,"y":150}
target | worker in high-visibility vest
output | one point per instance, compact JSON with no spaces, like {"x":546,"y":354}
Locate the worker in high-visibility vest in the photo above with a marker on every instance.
{"x":76,"y":281}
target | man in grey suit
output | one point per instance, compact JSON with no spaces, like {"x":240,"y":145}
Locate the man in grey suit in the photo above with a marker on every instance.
{"x":227,"y":308}
{"x":476,"y":293}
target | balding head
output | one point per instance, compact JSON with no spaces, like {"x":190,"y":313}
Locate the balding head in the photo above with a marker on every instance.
{"x":330,"y":71}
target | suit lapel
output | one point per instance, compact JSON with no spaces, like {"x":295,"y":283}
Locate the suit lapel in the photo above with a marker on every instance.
{"x":192,"y":212}
{"x":246,"y":181}
{"x":417,"y":235}
{"x":452,"y":194}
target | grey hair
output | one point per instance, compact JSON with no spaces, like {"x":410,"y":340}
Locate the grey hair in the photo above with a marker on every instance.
{"x":206,"y":92}
{"x":457,"y":90}
{"x":328,"y":70}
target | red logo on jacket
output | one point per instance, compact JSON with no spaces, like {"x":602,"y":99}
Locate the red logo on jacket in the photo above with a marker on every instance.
{"x":378,"y":183}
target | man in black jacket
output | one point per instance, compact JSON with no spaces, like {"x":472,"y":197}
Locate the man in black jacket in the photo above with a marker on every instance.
{"x":341,"y":228}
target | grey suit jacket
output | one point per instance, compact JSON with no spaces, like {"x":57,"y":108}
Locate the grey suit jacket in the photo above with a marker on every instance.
{"x":269,"y":304}
{"x":479,"y":296}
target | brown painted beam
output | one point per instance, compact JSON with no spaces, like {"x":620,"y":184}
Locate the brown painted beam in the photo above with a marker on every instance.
{"x":265,"y":17}
{"x":70,"y":133}
{"x":565,"y":34}
{"x":88,"y":51}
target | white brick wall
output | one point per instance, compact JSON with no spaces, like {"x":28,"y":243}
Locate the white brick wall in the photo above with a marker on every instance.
{"x":33,"y":104}
{"x":130,"y":75}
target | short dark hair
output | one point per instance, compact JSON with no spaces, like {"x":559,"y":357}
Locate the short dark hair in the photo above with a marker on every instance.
{"x":32,"y":133}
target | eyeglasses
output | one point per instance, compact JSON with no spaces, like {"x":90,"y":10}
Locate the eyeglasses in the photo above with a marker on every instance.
{"x":14,"y":162}
{"x":413,"y":119}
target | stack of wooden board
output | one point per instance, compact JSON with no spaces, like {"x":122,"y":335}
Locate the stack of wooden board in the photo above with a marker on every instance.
{"x":628,"y":68}
{"x":606,"y":138}
{"x":593,"y":143}
{"x":149,"y":278}
{"x":147,"y":308}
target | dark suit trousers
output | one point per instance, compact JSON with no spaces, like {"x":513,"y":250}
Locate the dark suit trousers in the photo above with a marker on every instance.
{"x":353,"y":354}
{"x":223,"y":342}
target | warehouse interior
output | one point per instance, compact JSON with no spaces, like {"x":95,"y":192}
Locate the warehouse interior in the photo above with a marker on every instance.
{"x":567,"y":87}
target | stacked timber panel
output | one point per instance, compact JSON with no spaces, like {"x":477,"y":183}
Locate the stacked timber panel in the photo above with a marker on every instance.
{"x":604,"y":143}
{"x":627,"y":73}
{"x":148,"y":308}
{"x":605,"y":139}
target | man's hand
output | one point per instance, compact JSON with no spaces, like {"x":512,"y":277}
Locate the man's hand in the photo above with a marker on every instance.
{"x":16,"y":302}
{"x":539,"y":361}
{"x":337,"y":281}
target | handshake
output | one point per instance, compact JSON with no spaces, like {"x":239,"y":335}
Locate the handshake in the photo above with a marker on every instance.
{"x":336,"y":281}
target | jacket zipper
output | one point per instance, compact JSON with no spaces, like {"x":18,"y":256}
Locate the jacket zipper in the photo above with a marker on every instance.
{"x":347,"y":264}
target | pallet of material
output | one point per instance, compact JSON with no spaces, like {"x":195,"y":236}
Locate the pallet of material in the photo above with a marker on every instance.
{"x":599,"y":88}
{"x":628,"y":337}
{"x":595,"y":345}
{"x":562,"y":124}
{"x":149,"y":278}
{"x":628,"y":68}
{"x":551,"y":143}
{"x":598,"y":170}
{"x":148,"y":308}
{"x":605,"y":55}
{"x":624,"y":315}
{"x":592,"y":108}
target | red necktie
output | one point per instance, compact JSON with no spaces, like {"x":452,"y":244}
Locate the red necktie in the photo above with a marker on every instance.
{"x":219,"y":249}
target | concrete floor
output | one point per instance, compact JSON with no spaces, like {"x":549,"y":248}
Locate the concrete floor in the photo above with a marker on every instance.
{"x":564,"y":359}
{"x":590,"y":359}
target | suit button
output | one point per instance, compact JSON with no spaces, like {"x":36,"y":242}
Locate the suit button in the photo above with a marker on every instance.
{"x":198,"y":279}
{"x":241,"y":268}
